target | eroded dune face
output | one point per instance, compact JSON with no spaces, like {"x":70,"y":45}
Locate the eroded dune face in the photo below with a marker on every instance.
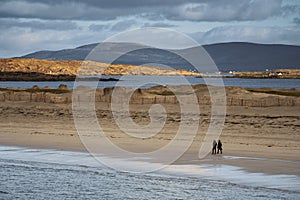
{"x":235,"y":96}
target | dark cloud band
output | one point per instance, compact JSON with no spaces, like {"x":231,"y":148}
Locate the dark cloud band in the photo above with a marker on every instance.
{"x":226,"y":10}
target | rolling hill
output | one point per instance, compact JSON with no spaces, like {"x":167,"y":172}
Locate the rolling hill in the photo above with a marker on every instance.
{"x":31,"y":69}
{"x":235,"y":56}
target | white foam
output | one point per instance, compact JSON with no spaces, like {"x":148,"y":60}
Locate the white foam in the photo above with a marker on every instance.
{"x":220,"y":172}
{"x":236,"y":175}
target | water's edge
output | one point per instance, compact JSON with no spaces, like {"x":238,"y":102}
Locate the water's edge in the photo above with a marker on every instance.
{"x":19,"y":156}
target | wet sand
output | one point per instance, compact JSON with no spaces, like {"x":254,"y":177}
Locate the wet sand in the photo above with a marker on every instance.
{"x":262,"y":140}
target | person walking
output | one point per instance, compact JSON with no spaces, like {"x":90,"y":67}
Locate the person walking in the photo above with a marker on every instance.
{"x":214,"y":149}
{"x":219,"y":147}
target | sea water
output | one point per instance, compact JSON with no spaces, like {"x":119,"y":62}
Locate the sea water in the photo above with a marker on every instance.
{"x":149,"y":81}
{"x":50,"y":174}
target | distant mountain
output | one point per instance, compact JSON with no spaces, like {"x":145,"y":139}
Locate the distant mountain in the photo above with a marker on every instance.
{"x":234,"y":56}
{"x":254,"y":57}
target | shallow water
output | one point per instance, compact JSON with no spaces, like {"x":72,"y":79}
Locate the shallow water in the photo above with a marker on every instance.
{"x":43,"y":174}
{"x":149,"y":81}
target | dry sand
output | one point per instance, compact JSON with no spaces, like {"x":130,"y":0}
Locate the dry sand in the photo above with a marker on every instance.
{"x":270,"y":134}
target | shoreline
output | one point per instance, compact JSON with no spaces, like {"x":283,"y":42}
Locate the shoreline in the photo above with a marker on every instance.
{"x":232,"y":174}
{"x":51,"y":126}
{"x":24,"y":77}
{"x":250,"y":163}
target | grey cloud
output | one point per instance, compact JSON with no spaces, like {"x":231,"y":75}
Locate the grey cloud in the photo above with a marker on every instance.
{"x":290,"y":10}
{"x":234,"y":10}
{"x":98,"y":27}
{"x":159,"y":24}
{"x":76,"y":10}
{"x":113,"y":27}
{"x":152,"y":16}
{"x":226,"y":10}
{"x":296,"y":20}
{"x":65,"y":11}
{"x":113,"y":3}
{"x":38,"y":25}
{"x":52,"y":22}
{"x":123,"y":25}
{"x":284,"y":35}
{"x":17,"y":42}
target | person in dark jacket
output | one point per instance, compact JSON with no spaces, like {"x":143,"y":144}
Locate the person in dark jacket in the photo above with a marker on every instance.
{"x":220,"y":147}
{"x":214,"y":149}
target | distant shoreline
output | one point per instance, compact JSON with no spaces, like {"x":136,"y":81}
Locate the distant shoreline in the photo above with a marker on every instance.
{"x":25,"y":69}
{"x":56,"y":78}
{"x":46,"y":78}
{"x":276,"y":74}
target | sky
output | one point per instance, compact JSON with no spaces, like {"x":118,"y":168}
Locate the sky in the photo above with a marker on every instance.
{"x":33,"y":25}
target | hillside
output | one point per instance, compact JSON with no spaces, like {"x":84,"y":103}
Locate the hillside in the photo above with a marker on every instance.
{"x":34,"y":69}
{"x":235,"y":56}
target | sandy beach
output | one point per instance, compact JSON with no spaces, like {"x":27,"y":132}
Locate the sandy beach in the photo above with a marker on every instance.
{"x":257,"y":139}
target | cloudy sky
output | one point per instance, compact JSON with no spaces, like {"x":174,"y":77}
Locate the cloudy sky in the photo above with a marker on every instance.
{"x":32,"y":25}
